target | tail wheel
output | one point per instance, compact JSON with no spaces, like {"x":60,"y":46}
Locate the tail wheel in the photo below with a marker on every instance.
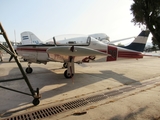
{"x":67,"y":75}
{"x":29,"y":70}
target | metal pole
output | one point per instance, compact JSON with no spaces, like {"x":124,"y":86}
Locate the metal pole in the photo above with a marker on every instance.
{"x":15,"y":90}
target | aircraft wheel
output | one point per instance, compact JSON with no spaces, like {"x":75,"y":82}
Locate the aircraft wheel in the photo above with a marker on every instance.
{"x":67,"y":75}
{"x":35,"y":101}
{"x":29,"y":70}
{"x":65,"y":65}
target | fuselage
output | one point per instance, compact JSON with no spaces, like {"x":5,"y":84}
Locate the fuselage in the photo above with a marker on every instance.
{"x":38,"y":54}
{"x":34,"y":53}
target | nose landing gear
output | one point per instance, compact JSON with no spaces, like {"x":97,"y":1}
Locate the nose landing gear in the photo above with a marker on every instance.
{"x":29,"y":69}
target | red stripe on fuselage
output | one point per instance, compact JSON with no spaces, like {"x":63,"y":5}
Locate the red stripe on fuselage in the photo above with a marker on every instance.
{"x":126,"y":54}
{"x":32,"y":49}
{"x":129,"y":54}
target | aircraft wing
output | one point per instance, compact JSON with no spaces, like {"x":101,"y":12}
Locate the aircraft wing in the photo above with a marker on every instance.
{"x":62,"y":53}
{"x":75,"y":51}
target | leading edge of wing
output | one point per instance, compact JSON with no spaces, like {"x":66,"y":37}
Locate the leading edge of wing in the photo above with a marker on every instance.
{"x":78,"y":51}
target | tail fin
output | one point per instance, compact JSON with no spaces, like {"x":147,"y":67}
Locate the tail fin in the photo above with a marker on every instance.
{"x":139,"y":42}
{"x":29,"y":38}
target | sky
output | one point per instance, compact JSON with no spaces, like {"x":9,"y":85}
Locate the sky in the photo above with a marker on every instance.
{"x":48,"y":18}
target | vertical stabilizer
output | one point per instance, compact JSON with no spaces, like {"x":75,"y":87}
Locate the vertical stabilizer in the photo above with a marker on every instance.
{"x":139,"y":42}
{"x":29,"y":38}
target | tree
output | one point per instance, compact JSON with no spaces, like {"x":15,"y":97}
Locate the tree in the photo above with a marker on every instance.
{"x":147,"y":12}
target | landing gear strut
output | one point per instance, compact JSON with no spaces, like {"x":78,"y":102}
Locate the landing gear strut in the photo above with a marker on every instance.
{"x":69,"y":73}
{"x":65,"y":65}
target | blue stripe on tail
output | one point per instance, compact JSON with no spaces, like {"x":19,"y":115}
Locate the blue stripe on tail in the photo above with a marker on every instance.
{"x":136,"y":46}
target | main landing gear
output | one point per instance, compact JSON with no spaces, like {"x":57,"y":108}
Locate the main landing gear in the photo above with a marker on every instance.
{"x":69,"y":73}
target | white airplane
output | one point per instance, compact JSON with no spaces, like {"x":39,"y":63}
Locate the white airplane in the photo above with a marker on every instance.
{"x":77,"y":49}
{"x":30,"y":39}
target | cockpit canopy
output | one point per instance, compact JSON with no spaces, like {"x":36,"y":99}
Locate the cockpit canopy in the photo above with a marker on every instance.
{"x":69,"y":40}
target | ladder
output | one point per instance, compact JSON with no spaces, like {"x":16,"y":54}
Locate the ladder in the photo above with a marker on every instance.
{"x":34,"y":93}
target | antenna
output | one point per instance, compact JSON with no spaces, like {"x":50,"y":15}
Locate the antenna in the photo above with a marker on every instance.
{"x":15,"y":37}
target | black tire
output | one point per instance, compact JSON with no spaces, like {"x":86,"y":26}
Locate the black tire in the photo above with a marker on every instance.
{"x":35,"y":101}
{"x":29,"y":70}
{"x":67,"y":75}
